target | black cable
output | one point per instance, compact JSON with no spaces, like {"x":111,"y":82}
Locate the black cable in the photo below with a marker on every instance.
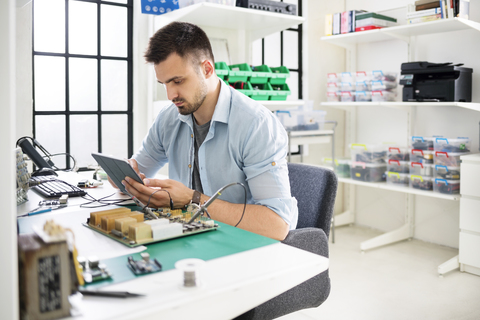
{"x":103,"y":201}
{"x":59,"y":154}
{"x":244,"y":203}
{"x":150,"y":198}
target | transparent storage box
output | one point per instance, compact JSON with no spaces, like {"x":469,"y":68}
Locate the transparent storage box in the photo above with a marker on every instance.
{"x":383,"y":95}
{"x":368,"y":172}
{"x":347,"y":86}
{"x":334,"y":77}
{"x":383,"y":85}
{"x":368,"y":153}
{"x":342,"y":166}
{"x":365,"y":85}
{"x":422,"y":156}
{"x":446,"y":186}
{"x":421,"y":182}
{"x":300,"y":120}
{"x":347,"y":96}
{"x":363,"y":76}
{"x":449,"y":159}
{"x":422,"y":143}
{"x":333,"y":87}
{"x":397,"y":179}
{"x":348,"y":77}
{"x":384,"y":75}
{"x":333,"y":97}
{"x":452,"y":145}
{"x":398,"y":166}
{"x":363,"y":96}
{"x":421,"y":169}
{"x":448,"y":173}
{"x":398,"y":153}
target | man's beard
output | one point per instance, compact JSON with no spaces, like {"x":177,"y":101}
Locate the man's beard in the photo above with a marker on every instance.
{"x":198,"y":99}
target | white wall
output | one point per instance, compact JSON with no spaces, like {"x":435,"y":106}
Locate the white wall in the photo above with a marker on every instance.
{"x":436,"y":220}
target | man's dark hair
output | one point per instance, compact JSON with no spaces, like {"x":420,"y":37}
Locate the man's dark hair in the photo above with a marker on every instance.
{"x":182,"y":38}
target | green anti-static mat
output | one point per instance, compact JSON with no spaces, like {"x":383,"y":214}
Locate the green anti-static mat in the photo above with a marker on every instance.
{"x":224,"y":241}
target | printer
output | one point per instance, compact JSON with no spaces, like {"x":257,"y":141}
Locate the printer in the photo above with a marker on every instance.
{"x":427,"y":82}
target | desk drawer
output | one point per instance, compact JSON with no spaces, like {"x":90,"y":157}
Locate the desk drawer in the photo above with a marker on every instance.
{"x":470,"y":214}
{"x":469,"y":179}
{"x":469,"y":249}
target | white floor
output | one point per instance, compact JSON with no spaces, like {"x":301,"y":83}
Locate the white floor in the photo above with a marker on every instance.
{"x":398,"y":281}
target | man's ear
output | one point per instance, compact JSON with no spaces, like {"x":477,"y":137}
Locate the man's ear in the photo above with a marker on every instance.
{"x":208,"y":68}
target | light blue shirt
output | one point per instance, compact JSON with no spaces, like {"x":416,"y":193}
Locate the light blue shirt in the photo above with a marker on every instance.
{"x":246,"y":143}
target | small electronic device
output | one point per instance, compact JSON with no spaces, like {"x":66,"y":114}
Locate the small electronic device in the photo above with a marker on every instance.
{"x":117,"y":169}
{"x":267,"y":5}
{"x":144,"y":266}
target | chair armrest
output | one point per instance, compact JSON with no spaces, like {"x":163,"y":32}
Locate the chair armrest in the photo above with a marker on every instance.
{"x":310,"y":239}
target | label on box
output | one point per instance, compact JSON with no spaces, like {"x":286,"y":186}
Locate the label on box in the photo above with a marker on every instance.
{"x":159,"y":6}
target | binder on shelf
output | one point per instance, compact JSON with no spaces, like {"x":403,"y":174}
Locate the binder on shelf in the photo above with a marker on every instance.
{"x":329,"y":24}
{"x":337,"y":20}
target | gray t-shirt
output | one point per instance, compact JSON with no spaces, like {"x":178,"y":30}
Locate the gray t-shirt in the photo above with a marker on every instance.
{"x":200,"y":133}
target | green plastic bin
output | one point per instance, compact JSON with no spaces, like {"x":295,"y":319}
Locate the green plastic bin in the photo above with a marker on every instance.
{"x":280,"y":92}
{"x":260,"y":74}
{"x":279,"y":75}
{"x":243,"y":87}
{"x":261,"y":91}
{"x":239,"y":73}
{"x":222,"y":70}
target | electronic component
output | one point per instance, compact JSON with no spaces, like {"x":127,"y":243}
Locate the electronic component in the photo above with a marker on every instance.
{"x":93,"y":270}
{"x":144,"y":266}
{"x":267,"y":5}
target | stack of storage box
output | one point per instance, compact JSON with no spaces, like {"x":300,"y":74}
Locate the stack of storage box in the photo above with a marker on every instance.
{"x":421,"y":163}
{"x":368,"y":162}
{"x":342,"y":166}
{"x":257,"y":82}
{"x":302,"y":120}
{"x":397,"y":166}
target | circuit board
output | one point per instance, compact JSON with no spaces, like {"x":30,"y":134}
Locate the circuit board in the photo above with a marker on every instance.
{"x":142,"y":231}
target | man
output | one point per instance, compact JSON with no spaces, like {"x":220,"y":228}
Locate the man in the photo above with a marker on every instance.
{"x":211,"y":136}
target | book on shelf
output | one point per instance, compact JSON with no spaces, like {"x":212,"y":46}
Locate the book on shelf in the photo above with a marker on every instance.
{"x":344,"y":23}
{"x":422,"y":2}
{"x":449,"y":5}
{"x":425,"y":19}
{"x":366,"y":15}
{"x":464,"y":9}
{"x":337,"y":19}
{"x":352,"y":19}
{"x":329,"y":24}
{"x":374,"y":22}
{"x":423,"y":13}
{"x":366,"y":28}
{"x":429,"y":5}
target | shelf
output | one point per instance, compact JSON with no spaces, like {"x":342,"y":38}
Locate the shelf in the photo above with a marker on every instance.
{"x":401,"y":32}
{"x":385,"y":186}
{"x":273,"y":105}
{"x":258,"y":23}
{"x":402,"y":105}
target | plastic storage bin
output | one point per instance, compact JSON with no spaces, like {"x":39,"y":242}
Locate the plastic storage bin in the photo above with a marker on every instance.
{"x":368,"y":172}
{"x":347,"y":96}
{"x":398,"y":166}
{"x":239,"y":73}
{"x":421,"y":182}
{"x":368,"y":153}
{"x":348,"y":77}
{"x":363,"y":76}
{"x":299,"y":120}
{"x":383,"y":85}
{"x":333,"y":97}
{"x":222,"y":70}
{"x":422,"y":143}
{"x":334,"y":77}
{"x":363,"y":85}
{"x":446,"y":186}
{"x":260,"y":74}
{"x":347,"y":86}
{"x":383,"y":95}
{"x":449,"y":159}
{"x":421,"y":169}
{"x":261,"y":91}
{"x":280,"y":92}
{"x":422,"y":156}
{"x":448,"y":173}
{"x":452,"y":145}
{"x":333,"y":87}
{"x":243,"y":87}
{"x":363,"y":96}
{"x":279,"y":75}
{"x":342,"y":166}
{"x":398,"y":153}
{"x":384,"y":75}
{"x":398,"y":179}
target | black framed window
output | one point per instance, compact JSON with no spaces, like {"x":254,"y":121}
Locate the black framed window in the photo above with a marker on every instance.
{"x":83,"y":78}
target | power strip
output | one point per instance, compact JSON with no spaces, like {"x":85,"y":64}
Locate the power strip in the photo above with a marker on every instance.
{"x":22,"y":177}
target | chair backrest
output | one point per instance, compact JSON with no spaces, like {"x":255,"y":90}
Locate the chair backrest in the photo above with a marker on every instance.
{"x":315,"y":189}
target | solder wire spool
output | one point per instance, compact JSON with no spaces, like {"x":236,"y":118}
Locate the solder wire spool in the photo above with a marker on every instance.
{"x":191,"y":272}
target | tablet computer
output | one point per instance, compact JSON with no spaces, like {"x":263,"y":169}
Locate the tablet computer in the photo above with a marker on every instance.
{"x":117,"y":169}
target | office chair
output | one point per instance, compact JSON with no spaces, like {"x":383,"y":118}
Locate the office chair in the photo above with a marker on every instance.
{"x":315,"y":189}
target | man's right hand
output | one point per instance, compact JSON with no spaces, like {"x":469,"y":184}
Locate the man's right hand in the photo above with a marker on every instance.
{"x":133,"y":163}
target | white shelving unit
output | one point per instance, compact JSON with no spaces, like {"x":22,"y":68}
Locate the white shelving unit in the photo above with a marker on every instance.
{"x":408,"y":34}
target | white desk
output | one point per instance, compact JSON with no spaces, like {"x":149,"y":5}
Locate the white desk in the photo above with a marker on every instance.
{"x":231,"y":285}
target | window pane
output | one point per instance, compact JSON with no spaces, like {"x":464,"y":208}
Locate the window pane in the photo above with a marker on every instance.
{"x":120,"y":1}
{"x":115,"y":135}
{"x":290,"y":49}
{"x":292,"y":82}
{"x":113,"y":31}
{"x":83,"y":84}
{"x":50,"y":133}
{"x":82,"y":28}
{"x":83,"y":138}
{"x":272,"y":50}
{"x":49,"y":25}
{"x":49,"y":83}
{"x":114,"y":85}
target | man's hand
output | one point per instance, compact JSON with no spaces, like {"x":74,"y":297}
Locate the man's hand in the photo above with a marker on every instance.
{"x":180,"y":194}
{"x":134,"y":165}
